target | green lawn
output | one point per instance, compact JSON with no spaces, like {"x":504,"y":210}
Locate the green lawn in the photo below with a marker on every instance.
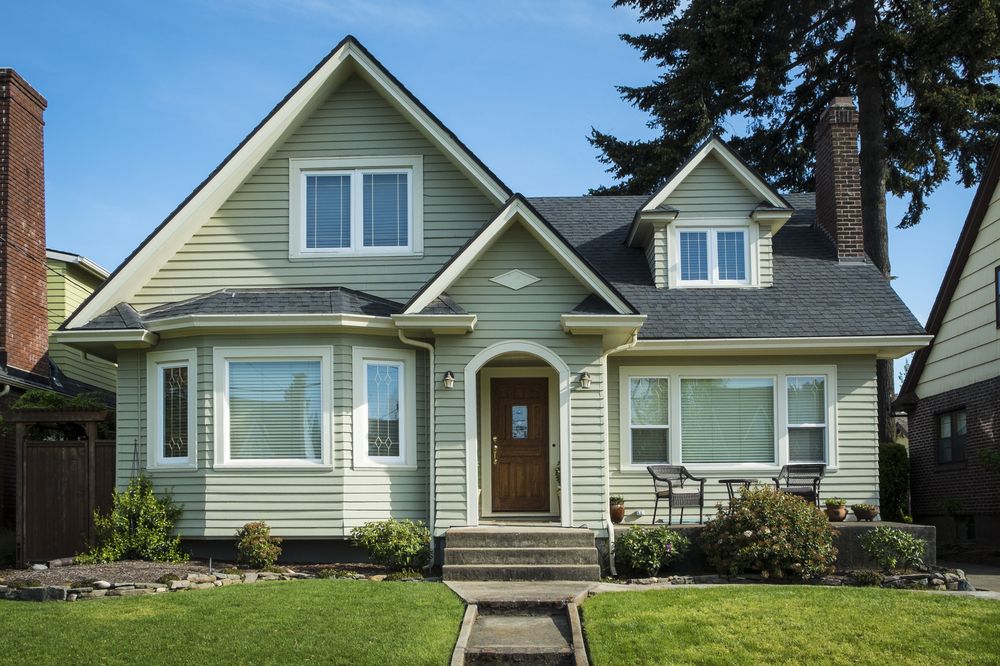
{"x":316,"y":621}
{"x":790,"y":625}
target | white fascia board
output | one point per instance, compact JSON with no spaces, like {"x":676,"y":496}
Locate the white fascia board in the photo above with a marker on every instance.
{"x":886,"y":347}
{"x":775,"y":218}
{"x":597,"y":324}
{"x":437,"y":323}
{"x":516,"y":211}
{"x":83,"y":262}
{"x":271,"y":321}
{"x":205,"y":201}
{"x":745,"y":175}
{"x":122,"y":338}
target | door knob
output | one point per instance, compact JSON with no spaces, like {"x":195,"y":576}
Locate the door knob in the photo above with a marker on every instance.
{"x":495,"y":447}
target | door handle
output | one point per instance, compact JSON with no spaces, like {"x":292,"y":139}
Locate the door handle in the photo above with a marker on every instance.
{"x":495,"y":447}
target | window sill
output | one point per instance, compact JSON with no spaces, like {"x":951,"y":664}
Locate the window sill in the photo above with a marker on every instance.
{"x":365,"y":466}
{"x":354,"y":254}
{"x":173,"y":467}
{"x":274,"y":465}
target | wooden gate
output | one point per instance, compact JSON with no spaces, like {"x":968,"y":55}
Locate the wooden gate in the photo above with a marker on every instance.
{"x":59,"y":485}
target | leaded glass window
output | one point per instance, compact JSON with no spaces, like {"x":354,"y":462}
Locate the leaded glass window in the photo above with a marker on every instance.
{"x":174,"y":389}
{"x":382,"y":389}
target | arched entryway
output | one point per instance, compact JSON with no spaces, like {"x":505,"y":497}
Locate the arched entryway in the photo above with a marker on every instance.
{"x":502,"y":390}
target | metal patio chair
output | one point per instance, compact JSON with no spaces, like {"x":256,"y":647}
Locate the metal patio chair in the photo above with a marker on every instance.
{"x":668,"y":484}
{"x":801,"y":480}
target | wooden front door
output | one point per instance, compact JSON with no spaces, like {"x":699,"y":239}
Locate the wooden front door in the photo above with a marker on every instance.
{"x":519,"y":445}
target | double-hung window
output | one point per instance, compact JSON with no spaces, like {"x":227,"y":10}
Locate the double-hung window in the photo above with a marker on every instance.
{"x":806,"y":418}
{"x":384,"y":409}
{"x":952,"y":432}
{"x":649,"y":420}
{"x":349,"y":206}
{"x":713,"y":256}
{"x":171,"y":403}
{"x":273,"y":406}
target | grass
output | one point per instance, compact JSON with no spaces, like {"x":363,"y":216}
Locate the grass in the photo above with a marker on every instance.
{"x":790,"y":625}
{"x":315,"y":621}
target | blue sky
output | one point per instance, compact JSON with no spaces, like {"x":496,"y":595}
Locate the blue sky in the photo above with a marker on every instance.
{"x":145,"y":99}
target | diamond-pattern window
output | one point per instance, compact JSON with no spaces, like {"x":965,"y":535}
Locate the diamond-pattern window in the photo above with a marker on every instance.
{"x":383,"y":394}
{"x":175,"y":412}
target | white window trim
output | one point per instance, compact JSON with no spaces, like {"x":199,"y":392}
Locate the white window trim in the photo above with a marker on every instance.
{"x":221,"y":357}
{"x":778,"y":373}
{"x":407,"y":361}
{"x":712,"y":226}
{"x":810,"y":426}
{"x":156,"y":362}
{"x":298,"y":168}
{"x":625,"y":390}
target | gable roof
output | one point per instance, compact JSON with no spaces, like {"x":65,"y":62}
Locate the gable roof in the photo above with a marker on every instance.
{"x":349,"y":56}
{"x":713,"y":145}
{"x":952,"y":275}
{"x":516,"y":209}
{"x":813,"y":294}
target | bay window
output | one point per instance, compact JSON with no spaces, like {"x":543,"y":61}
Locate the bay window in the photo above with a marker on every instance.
{"x":273,"y":406}
{"x":384,"y":408}
{"x":170,"y":404}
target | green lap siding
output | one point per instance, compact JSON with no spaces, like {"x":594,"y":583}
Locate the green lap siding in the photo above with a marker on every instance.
{"x":530,"y":314}
{"x":296,"y":503}
{"x":856,"y":480}
{"x":245,"y":243}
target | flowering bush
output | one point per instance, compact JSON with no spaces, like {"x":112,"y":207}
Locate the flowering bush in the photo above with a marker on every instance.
{"x":398,"y":544}
{"x":891,"y":548}
{"x":255,"y":547}
{"x":771,"y":533}
{"x":646,"y":551}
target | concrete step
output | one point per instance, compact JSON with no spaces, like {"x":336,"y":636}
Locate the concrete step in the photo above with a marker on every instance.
{"x":538,"y":638}
{"x":526,"y":572}
{"x":550,"y":555}
{"x":519,"y":537}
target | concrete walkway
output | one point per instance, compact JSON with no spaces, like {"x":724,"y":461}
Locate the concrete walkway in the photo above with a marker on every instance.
{"x":982,"y":576}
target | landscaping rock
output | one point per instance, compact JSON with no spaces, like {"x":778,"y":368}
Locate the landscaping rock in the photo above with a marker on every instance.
{"x":149,"y":586}
{"x":201,"y":586}
{"x":965,"y":586}
{"x":250,"y":577}
{"x":39,"y":567}
{"x":378,"y":578}
{"x":81,"y":589}
{"x":62,"y":562}
{"x":201,"y":578}
{"x":160,"y":590}
{"x":128,"y":592}
{"x":833,"y":580}
{"x":55,"y":593}
{"x":180,"y":584}
{"x":71,"y":597}
{"x":31,"y":594}
{"x":96,"y":594}
{"x":102,"y":585}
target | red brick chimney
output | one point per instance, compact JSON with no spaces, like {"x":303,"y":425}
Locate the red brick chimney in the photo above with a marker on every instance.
{"x":838,"y":179}
{"x":23,"y":294}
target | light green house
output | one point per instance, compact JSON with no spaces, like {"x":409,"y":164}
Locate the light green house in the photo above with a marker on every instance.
{"x":353,"y":318}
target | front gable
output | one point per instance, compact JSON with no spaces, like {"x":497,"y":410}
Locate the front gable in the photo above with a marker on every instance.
{"x":233,"y":230}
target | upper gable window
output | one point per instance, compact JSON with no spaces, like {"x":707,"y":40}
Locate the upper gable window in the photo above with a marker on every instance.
{"x":714,"y":257}
{"x":341,"y":206}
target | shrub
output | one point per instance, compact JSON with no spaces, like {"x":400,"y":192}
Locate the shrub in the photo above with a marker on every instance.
{"x":138,"y":527}
{"x":646,"y":551}
{"x":405,"y":574}
{"x":894,"y":481}
{"x":615,"y":500}
{"x":772,"y":533}
{"x":867,"y":577}
{"x":835,"y":502}
{"x":255,"y":547}
{"x":892,"y":548}
{"x":397,"y":544}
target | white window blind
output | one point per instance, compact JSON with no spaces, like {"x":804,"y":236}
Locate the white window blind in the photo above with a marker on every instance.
{"x":727,"y":420}
{"x":694,"y":255}
{"x":806,"y":419}
{"x":275,"y":410}
{"x":328,"y":211}
{"x":731,"y":255}
{"x":386,"y":218}
{"x":649,"y":415}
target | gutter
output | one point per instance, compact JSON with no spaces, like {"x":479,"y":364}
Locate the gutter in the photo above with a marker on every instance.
{"x":431,"y":431}
{"x":607,"y":448}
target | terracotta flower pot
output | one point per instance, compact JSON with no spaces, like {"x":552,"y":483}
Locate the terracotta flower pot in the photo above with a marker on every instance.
{"x":836,"y":514}
{"x":866,"y":514}
{"x":617,"y":513}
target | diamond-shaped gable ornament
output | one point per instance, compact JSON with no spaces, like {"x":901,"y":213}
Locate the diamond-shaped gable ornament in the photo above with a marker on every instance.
{"x":515,"y":279}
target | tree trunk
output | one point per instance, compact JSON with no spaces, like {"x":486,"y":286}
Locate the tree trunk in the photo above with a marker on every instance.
{"x":871,"y":127}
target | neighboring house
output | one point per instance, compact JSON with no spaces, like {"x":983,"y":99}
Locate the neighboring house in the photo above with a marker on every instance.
{"x":952,"y":390}
{"x":38,"y":288}
{"x":353,"y":318}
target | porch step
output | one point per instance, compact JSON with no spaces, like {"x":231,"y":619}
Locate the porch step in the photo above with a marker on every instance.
{"x":531,"y":638}
{"x":553,"y":555}
{"x":523,"y":572}
{"x":519,"y":537}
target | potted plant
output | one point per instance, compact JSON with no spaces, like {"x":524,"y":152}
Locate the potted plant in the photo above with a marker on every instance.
{"x":617,"y":509}
{"x":865,"y":511}
{"x":836,"y":509}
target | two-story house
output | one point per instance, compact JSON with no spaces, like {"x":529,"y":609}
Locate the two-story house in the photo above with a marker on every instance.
{"x":353,"y":318}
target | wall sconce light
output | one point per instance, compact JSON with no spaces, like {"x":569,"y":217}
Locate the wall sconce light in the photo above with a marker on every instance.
{"x":449,"y":379}
{"x":585,"y":380}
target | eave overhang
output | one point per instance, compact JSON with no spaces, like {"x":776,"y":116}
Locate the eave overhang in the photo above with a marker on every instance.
{"x":614,"y":329}
{"x":106,"y":343}
{"x":436,"y":324}
{"x":883,"y":347}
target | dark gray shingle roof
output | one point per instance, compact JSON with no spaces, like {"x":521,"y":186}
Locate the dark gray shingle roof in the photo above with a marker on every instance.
{"x":813,"y":293}
{"x":335,"y":300}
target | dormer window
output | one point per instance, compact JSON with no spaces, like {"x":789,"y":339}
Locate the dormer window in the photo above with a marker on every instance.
{"x":713,"y":257}
{"x":345,"y":206}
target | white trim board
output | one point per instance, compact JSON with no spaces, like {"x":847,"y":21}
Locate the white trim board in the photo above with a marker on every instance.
{"x":517,"y":211}
{"x":350,"y":57}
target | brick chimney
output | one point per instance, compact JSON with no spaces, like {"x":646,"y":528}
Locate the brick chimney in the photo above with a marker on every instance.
{"x":838,"y":179}
{"x":23,"y":291}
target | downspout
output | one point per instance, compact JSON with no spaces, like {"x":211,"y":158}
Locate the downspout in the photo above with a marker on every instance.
{"x":607,"y":449}
{"x":431,"y":462}
{"x":5,"y":391}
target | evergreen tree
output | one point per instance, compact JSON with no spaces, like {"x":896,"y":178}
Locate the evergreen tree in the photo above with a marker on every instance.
{"x":924,"y":72}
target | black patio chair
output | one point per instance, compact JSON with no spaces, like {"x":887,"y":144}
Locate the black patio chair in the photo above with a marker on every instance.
{"x":802,"y":480}
{"x":668,"y":484}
